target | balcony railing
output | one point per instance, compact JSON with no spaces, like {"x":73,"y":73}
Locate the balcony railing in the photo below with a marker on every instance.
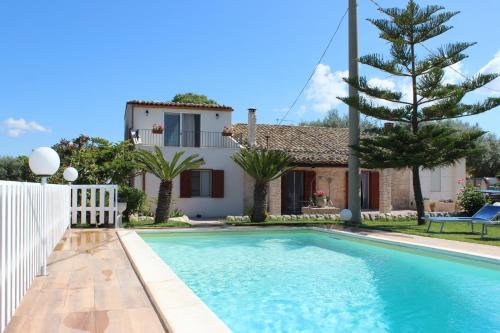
{"x":199,"y":139}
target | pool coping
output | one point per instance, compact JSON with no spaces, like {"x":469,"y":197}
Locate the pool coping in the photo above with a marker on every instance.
{"x":178,"y":307}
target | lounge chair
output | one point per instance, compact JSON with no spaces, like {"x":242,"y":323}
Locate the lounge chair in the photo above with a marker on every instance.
{"x":485,"y":216}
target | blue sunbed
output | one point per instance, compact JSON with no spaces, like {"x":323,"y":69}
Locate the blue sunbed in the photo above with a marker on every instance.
{"x":485,"y":216}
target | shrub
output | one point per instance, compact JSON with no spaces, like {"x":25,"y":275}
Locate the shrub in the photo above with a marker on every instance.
{"x":176,"y":212}
{"x":134,"y":198}
{"x":471,"y":201}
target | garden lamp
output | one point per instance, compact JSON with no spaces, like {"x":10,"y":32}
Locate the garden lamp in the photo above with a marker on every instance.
{"x":44,"y":162}
{"x":70,"y":174}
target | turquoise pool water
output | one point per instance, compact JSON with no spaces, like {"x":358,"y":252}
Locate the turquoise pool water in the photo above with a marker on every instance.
{"x":309,"y":281}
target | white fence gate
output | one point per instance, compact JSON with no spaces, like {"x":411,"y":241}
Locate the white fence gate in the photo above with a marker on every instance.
{"x":94,"y":204}
{"x":33,"y":218}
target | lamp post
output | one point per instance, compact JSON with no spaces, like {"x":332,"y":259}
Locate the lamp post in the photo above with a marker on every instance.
{"x":70,"y":174}
{"x":44,"y":162}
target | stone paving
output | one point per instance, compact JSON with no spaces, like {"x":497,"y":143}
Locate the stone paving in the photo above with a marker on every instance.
{"x":91,"y":287}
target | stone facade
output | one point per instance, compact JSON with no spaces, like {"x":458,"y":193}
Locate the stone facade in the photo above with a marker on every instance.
{"x":385,"y":192}
{"x":401,"y":189}
{"x":274,"y":197}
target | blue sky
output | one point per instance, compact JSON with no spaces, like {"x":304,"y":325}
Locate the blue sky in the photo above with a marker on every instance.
{"x":68,"y":67}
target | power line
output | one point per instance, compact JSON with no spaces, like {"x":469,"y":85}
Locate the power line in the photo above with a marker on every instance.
{"x":315,"y":67}
{"x":456,"y":70}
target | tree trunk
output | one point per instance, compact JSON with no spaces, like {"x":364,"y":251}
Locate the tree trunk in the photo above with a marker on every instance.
{"x":259,"y":202}
{"x":417,"y":189}
{"x":419,"y":200}
{"x":164,"y":201}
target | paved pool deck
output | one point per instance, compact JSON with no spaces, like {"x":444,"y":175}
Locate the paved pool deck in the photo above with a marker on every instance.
{"x":91,"y":287}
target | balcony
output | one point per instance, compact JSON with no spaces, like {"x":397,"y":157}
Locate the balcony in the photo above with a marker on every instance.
{"x":197,"y":139}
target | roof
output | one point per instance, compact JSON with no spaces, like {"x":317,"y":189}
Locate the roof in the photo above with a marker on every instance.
{"x":307,"y":145}
{"x":172,"y":105}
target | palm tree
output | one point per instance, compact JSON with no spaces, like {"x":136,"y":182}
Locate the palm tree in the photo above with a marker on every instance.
{"x":155,"y":163}
{"x":263,"y":166}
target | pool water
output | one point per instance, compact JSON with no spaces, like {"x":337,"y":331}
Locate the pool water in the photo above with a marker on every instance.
{"x":310,"y":281}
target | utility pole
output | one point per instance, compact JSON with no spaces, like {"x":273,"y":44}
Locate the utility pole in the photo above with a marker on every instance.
{"x":354,"y":184}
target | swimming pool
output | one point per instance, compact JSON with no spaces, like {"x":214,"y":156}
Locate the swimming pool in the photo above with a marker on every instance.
{"x":310,"y":281}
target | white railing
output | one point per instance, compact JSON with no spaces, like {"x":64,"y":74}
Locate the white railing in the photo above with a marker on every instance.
{"x":33,"y":219}
{"x":94,"y":204}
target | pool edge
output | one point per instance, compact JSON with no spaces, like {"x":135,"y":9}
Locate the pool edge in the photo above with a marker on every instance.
{"x":179,"y":308}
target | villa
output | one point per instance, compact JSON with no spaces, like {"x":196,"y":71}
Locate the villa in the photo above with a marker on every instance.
{"x":319,"y":154}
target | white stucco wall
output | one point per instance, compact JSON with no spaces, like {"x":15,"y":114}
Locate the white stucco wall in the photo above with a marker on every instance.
{"x":216,"y":159}
{"x":208,"y":119}
{"x":449,"y":182}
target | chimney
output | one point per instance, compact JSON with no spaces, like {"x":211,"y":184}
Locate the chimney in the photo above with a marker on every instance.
{"x":252,"y":127}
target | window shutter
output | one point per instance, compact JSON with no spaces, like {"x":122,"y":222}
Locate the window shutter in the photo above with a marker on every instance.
{"x":374,"y":190}
{"x":309,"y":184}
{"x":346,"y":189}
{"x":218,"y":184}
{"x":185,"y":184}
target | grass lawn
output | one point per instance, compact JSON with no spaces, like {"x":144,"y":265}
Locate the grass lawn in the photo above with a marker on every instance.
{"x":149,"y":223}
{"x":459,"y":231}
{"x":295,"y":223}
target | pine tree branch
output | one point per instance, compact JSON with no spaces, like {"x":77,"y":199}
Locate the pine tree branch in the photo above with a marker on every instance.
{"x":378,"y":61}
{"x":443,"y":57}
{"x":450,"y":109}
{"x":401,"y":114}
{"x":433,"y":26}
{"x":435,"y":91}
{"x":362,"y":85}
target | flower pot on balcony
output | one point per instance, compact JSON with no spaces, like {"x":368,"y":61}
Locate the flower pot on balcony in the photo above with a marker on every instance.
{"x":227,"y":133}
{"x":158,"y":131}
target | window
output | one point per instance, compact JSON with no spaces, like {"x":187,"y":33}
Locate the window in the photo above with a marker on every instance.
{"x":436,"y":180}
{"x":172,"y":128}
{"x":201,"y":183}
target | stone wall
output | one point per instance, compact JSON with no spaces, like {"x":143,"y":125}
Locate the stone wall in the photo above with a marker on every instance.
{"x":401,"y":189}
{"x":385,"y":190}
{"x":274,"y":197}
{"x":332,"y":181}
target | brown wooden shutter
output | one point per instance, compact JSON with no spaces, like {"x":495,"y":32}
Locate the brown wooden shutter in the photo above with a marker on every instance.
{"x":374,"y":190}
{"x":346,"y":189}
{"x":218,"y":184}
{"x":309,"y":184}
{"x":185,"y":184}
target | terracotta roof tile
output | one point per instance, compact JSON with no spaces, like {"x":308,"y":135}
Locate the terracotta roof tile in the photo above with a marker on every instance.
{"x":182,"y":105}
{"x":306,"y":144}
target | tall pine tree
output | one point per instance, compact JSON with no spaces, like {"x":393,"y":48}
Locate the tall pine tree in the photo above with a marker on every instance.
{"x":418,"y":140}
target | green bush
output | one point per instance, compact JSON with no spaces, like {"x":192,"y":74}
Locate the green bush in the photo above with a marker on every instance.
{"x":134,"y":198}
{"x":176,"y":212}
{"x":471,"y":201}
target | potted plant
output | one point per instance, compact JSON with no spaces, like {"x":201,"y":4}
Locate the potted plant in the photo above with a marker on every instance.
{"x":157,"y":129}
{"x":320,"y":197}
{"x":227,"y":131}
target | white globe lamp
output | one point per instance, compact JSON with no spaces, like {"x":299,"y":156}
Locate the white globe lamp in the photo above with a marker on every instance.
{"x":346,"y":215}
{"x":44,"y":162}
{"x":70,"y":174}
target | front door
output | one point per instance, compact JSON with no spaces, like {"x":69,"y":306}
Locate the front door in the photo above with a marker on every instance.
{"x":292,"y":192}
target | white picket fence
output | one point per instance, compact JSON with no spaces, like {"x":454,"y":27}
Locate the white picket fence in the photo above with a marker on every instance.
{"x":94,"y":204}
{"x":31,"y":224}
